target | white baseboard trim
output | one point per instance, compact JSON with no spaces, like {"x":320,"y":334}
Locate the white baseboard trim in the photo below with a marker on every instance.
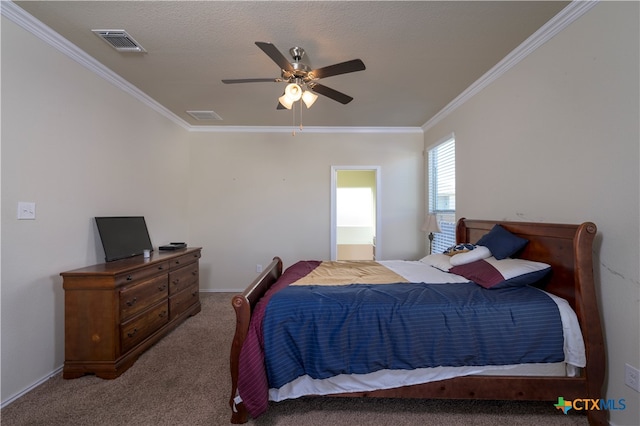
{"x":31,"y":387}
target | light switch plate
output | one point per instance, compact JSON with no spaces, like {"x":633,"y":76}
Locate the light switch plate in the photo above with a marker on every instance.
{"x":26,"y":210}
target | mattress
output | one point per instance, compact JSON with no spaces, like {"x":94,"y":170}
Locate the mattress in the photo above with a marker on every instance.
{"x":415,"y":271}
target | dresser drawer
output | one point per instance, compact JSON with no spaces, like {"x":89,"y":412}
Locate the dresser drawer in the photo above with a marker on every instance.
{"x":185,"y":259}
{"x":138,"y":297}
{"x":141,"y":327}
{"x":183,"y":300}
{"x":142,"y":273}
{"x":182,"y":278}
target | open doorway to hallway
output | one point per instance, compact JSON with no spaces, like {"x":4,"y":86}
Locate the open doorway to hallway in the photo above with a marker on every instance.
{"x":355,"y":212}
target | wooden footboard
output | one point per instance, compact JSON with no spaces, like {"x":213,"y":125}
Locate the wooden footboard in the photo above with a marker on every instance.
{"x":569,"y":251}
{"x":243,"y":305}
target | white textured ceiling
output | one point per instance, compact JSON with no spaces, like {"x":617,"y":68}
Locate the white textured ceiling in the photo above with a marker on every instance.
{"x":419,"y":55}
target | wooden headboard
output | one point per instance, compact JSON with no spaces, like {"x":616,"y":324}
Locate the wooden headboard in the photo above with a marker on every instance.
{"x":567,"y":248}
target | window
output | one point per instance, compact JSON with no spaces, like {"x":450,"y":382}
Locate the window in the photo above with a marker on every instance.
{"x":442,"y":192}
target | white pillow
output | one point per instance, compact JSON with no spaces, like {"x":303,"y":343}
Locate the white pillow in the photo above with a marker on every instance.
{"x":478,"y":253}
{"x":439,"y":261}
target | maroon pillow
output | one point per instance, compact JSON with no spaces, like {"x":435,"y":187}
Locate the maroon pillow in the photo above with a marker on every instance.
{"x":492,"y":273}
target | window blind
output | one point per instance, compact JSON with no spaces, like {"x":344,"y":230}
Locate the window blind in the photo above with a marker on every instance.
{"x":442,"y":192}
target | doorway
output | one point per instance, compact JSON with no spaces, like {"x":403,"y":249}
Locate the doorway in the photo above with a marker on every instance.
{"x":355,"y":212}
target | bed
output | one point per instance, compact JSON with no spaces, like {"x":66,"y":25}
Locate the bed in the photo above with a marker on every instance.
{"x":566,"y":249}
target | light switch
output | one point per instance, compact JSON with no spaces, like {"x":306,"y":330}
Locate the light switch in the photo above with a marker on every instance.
{"x":26,"y":210}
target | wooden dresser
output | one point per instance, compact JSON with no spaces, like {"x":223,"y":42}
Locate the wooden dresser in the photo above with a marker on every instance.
{"x":114,"y":311}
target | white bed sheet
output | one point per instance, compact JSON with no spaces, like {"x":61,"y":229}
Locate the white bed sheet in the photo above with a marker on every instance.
{"x":389,"y":379}
{"x":416,"y":271}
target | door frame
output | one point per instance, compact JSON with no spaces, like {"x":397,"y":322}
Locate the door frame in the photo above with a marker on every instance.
{"x":334,"y":182}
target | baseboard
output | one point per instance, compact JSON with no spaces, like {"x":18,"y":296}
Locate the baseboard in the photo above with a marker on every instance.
{"x":31,"y":387}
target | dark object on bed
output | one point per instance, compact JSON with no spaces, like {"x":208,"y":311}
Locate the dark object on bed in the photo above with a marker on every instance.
{"x":567,"y":248}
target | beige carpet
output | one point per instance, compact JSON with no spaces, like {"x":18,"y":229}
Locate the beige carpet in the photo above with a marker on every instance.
{"x":184,"y":380}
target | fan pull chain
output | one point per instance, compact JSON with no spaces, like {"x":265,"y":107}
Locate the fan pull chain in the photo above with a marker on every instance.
{"x":301,"y":114}
{"x":293,"y":119}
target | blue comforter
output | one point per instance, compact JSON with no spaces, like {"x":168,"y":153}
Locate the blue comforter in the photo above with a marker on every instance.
{"x":323,"y":331}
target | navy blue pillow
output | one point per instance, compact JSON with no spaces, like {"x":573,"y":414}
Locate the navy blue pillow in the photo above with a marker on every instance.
{"x":501,"y":242}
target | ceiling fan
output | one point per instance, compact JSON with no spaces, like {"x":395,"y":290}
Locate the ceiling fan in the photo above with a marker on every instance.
{"x":300,"y":75}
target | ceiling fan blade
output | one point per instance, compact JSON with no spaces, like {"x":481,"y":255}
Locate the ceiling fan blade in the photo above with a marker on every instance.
{"x":337,"y":69}
{"x":252,"y":80}
{"x":330,"y":93}
{"x":275,"y":55}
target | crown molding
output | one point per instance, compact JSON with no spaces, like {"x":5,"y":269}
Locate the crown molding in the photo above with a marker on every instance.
{"x":23,"y":19}
{"x":569,"y":14}
{"x":296,"y":130}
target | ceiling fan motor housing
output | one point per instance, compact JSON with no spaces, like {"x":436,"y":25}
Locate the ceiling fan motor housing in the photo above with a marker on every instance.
{"x":301,"y":66}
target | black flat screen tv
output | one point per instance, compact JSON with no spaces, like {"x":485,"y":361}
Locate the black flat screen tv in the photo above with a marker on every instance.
{"x":123,"y":236}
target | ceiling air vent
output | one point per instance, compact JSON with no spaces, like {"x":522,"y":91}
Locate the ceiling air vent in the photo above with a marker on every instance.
{"x":119,"y":40}
{"x":204,"y":115}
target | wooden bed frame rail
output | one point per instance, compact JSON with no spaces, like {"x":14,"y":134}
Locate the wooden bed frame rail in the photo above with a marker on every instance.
{"x":569,"y":251}
{"x":243,"y":304}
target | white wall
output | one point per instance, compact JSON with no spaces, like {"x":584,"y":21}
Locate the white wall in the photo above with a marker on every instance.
{"x":78,"y":148}
{"x":259,"y":195}
{"x":556,"y":139}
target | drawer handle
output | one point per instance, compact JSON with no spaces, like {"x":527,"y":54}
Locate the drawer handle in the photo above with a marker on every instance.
{"x":129,"y":278}
{"x":133,"y":333}
{"x":176,"y":281}
{"x":177,"y":262}
{"x":194,"y":273}
{"x":160,"y":268}
{"x":132,"y":301}
{"x":162,"y":314}
{"x":162,"y":287}
{"x":194,"y":294}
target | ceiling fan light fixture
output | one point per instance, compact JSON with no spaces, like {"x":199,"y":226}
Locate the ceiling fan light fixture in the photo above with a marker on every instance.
{"x":286,"y":101}
{"x":309,"y":98}
{"x":293,"y":91}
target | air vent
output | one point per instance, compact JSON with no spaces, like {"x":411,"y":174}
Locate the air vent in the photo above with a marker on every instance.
{"x":119,"y":40}
{"x":204,"y":115}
